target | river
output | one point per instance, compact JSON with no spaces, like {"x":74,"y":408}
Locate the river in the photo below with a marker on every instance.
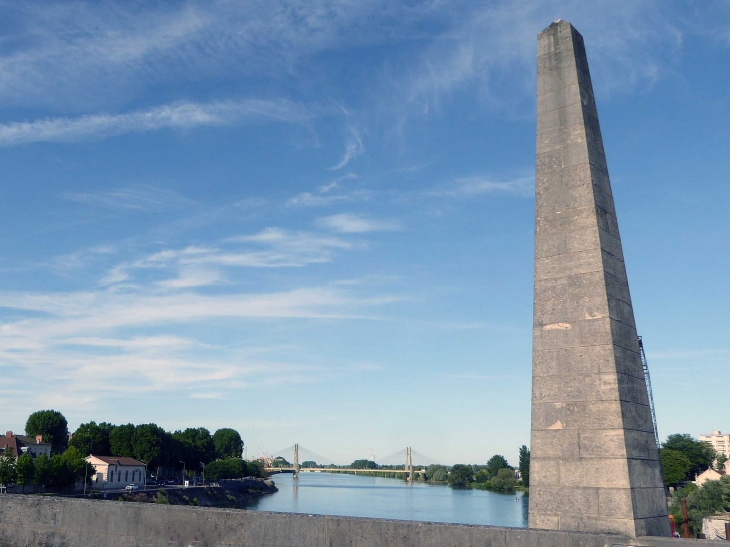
{"x":358,"y":496}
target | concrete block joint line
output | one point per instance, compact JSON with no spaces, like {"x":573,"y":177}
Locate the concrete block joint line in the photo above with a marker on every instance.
{"x":595,"y":463}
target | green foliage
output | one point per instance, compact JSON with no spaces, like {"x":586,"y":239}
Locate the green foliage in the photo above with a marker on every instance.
{"x":25,"y":469}
{"x":504,"y":481}
{"x":194,"y":501}
{"x":702,"y":501}
{"x":720,"y":462}
{"x":437,"y":473}
{"x":675,"y":465}
{"x":228,"y":443}
{"x":198,"y":446}
{"x":52,"y":425}
{"x":121,"y":440}
{"x":363,"y":464}
{"x":8,"y":473}
{"x":482,"y":476}
{"x":496,"y":463}
{"x":42,"y":470}
{"x":147,"y":444}
{"x":308,"y":464}
{"x":255,"y":469}
{"x":280,"y":462}
{"x":161,"y":497}
{"x":461,"y":475}
{"x":230,"y":468}
{"x":92,"y":439}
{"x":701,"y":455}
{"x":524,"y":465}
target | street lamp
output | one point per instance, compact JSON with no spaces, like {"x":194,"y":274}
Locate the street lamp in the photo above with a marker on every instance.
{"x":203,"y":466}
{"x":183,"y":477}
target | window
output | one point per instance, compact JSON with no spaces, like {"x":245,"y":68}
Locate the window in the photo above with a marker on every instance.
{"x":126,"y":476}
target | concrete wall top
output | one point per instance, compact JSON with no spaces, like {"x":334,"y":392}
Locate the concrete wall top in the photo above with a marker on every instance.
{"x":34,"y":521}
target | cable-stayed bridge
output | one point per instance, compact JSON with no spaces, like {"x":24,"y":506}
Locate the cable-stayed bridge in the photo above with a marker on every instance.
{"x":297,"y":458}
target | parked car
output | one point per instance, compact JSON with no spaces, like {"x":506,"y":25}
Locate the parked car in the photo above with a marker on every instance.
{"x":161,"y":483}
{"x":132,"y":487}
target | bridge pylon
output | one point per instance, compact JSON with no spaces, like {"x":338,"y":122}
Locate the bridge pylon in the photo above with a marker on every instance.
{"x":296,"y":461}
{"x":409,"y":464}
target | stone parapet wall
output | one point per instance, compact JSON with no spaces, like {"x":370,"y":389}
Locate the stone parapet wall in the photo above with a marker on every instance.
{"x":34,"y":521}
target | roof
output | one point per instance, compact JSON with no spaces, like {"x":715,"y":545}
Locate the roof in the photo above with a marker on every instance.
{"x":117,"y":460}
{"x":24,"y":439}
{"x":12,"y":442}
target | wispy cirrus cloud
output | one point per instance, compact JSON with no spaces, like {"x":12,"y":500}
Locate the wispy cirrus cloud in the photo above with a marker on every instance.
{"x":196,"y":266}
{"x":475,"y":185}
{"x":175,"y":116}
{"x":348,"y":223}
{"x":323,"y":198}
{"x":133,"y":198}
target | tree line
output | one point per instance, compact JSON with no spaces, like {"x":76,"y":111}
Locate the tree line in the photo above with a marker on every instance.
{"x":191,"y":448}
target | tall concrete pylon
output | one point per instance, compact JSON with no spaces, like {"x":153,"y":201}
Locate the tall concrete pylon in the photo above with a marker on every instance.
{"x":594,"y":459}
{"x":296,"y":460}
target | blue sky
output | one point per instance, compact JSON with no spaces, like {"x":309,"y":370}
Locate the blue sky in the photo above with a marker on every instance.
{"x":313,"y":221}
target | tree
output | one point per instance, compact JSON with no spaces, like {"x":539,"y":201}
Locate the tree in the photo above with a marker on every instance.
{"x":461,"y":475}
{"x":482,"y":476}
{"x":701,"y":455}
{"x":92,"y":439}
{"x":52,"y":425}
{"x":24,"y":469}
{"x":720,"y":462}
{"x":198,"y":446}
{"x":42,"y":471}
{"x":76,"y":466}
{"x":524,"y":465}
{"x":230,"y":468}
{"x":363,"y":464}
{"x":8,"y":474}
{"x":437,"y":473}
{"x":702,"y":501}
{"x":121,"y":440}
{"x":504,"y":481}
{"x":308,"y":464}
{"x":676,"y":466}
{"x":280,"y":461}
{"x":228,"y":443}
{"x":496,"y":463}
{"x":148,"y":439}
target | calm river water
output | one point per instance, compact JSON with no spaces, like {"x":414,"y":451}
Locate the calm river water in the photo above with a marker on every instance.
{"x":358,"y":496}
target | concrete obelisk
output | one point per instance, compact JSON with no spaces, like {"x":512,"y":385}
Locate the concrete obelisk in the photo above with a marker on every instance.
{"x":594,"y":460}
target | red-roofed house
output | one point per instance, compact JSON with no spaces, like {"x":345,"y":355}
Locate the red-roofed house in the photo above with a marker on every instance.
{"x":22,"y":444}
{"x":116,"y":471}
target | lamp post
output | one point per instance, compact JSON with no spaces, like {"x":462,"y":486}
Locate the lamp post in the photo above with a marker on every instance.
{"x":183,"y":476}
{"x":203,"y":466}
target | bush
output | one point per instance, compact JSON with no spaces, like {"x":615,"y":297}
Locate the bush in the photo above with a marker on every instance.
{"x":504,"y":481}
{"x":461,"y":475}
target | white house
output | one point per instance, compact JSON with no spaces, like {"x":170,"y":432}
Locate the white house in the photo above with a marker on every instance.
{"x":21,"y":444}
{"x":708,"y":475}
{"x":116,"y":472}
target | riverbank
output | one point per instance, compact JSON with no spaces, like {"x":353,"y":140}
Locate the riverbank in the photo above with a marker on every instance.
{"x":230,"y":494}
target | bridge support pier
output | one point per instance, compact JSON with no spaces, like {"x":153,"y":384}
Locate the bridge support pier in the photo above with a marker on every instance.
{"x":409,"y":464}
{"x":296,"y":461}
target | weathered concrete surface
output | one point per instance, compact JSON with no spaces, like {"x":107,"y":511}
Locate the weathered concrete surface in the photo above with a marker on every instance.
{"x":34,"y":521}
{"x":595,"y":463}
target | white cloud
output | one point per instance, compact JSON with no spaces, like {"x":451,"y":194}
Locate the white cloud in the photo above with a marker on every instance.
{"x":348,"y":223}
{"x":475,"y":185}
{"x":307,"y":199}
{"x":353,"y":148}
{"x":179,"y":116}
